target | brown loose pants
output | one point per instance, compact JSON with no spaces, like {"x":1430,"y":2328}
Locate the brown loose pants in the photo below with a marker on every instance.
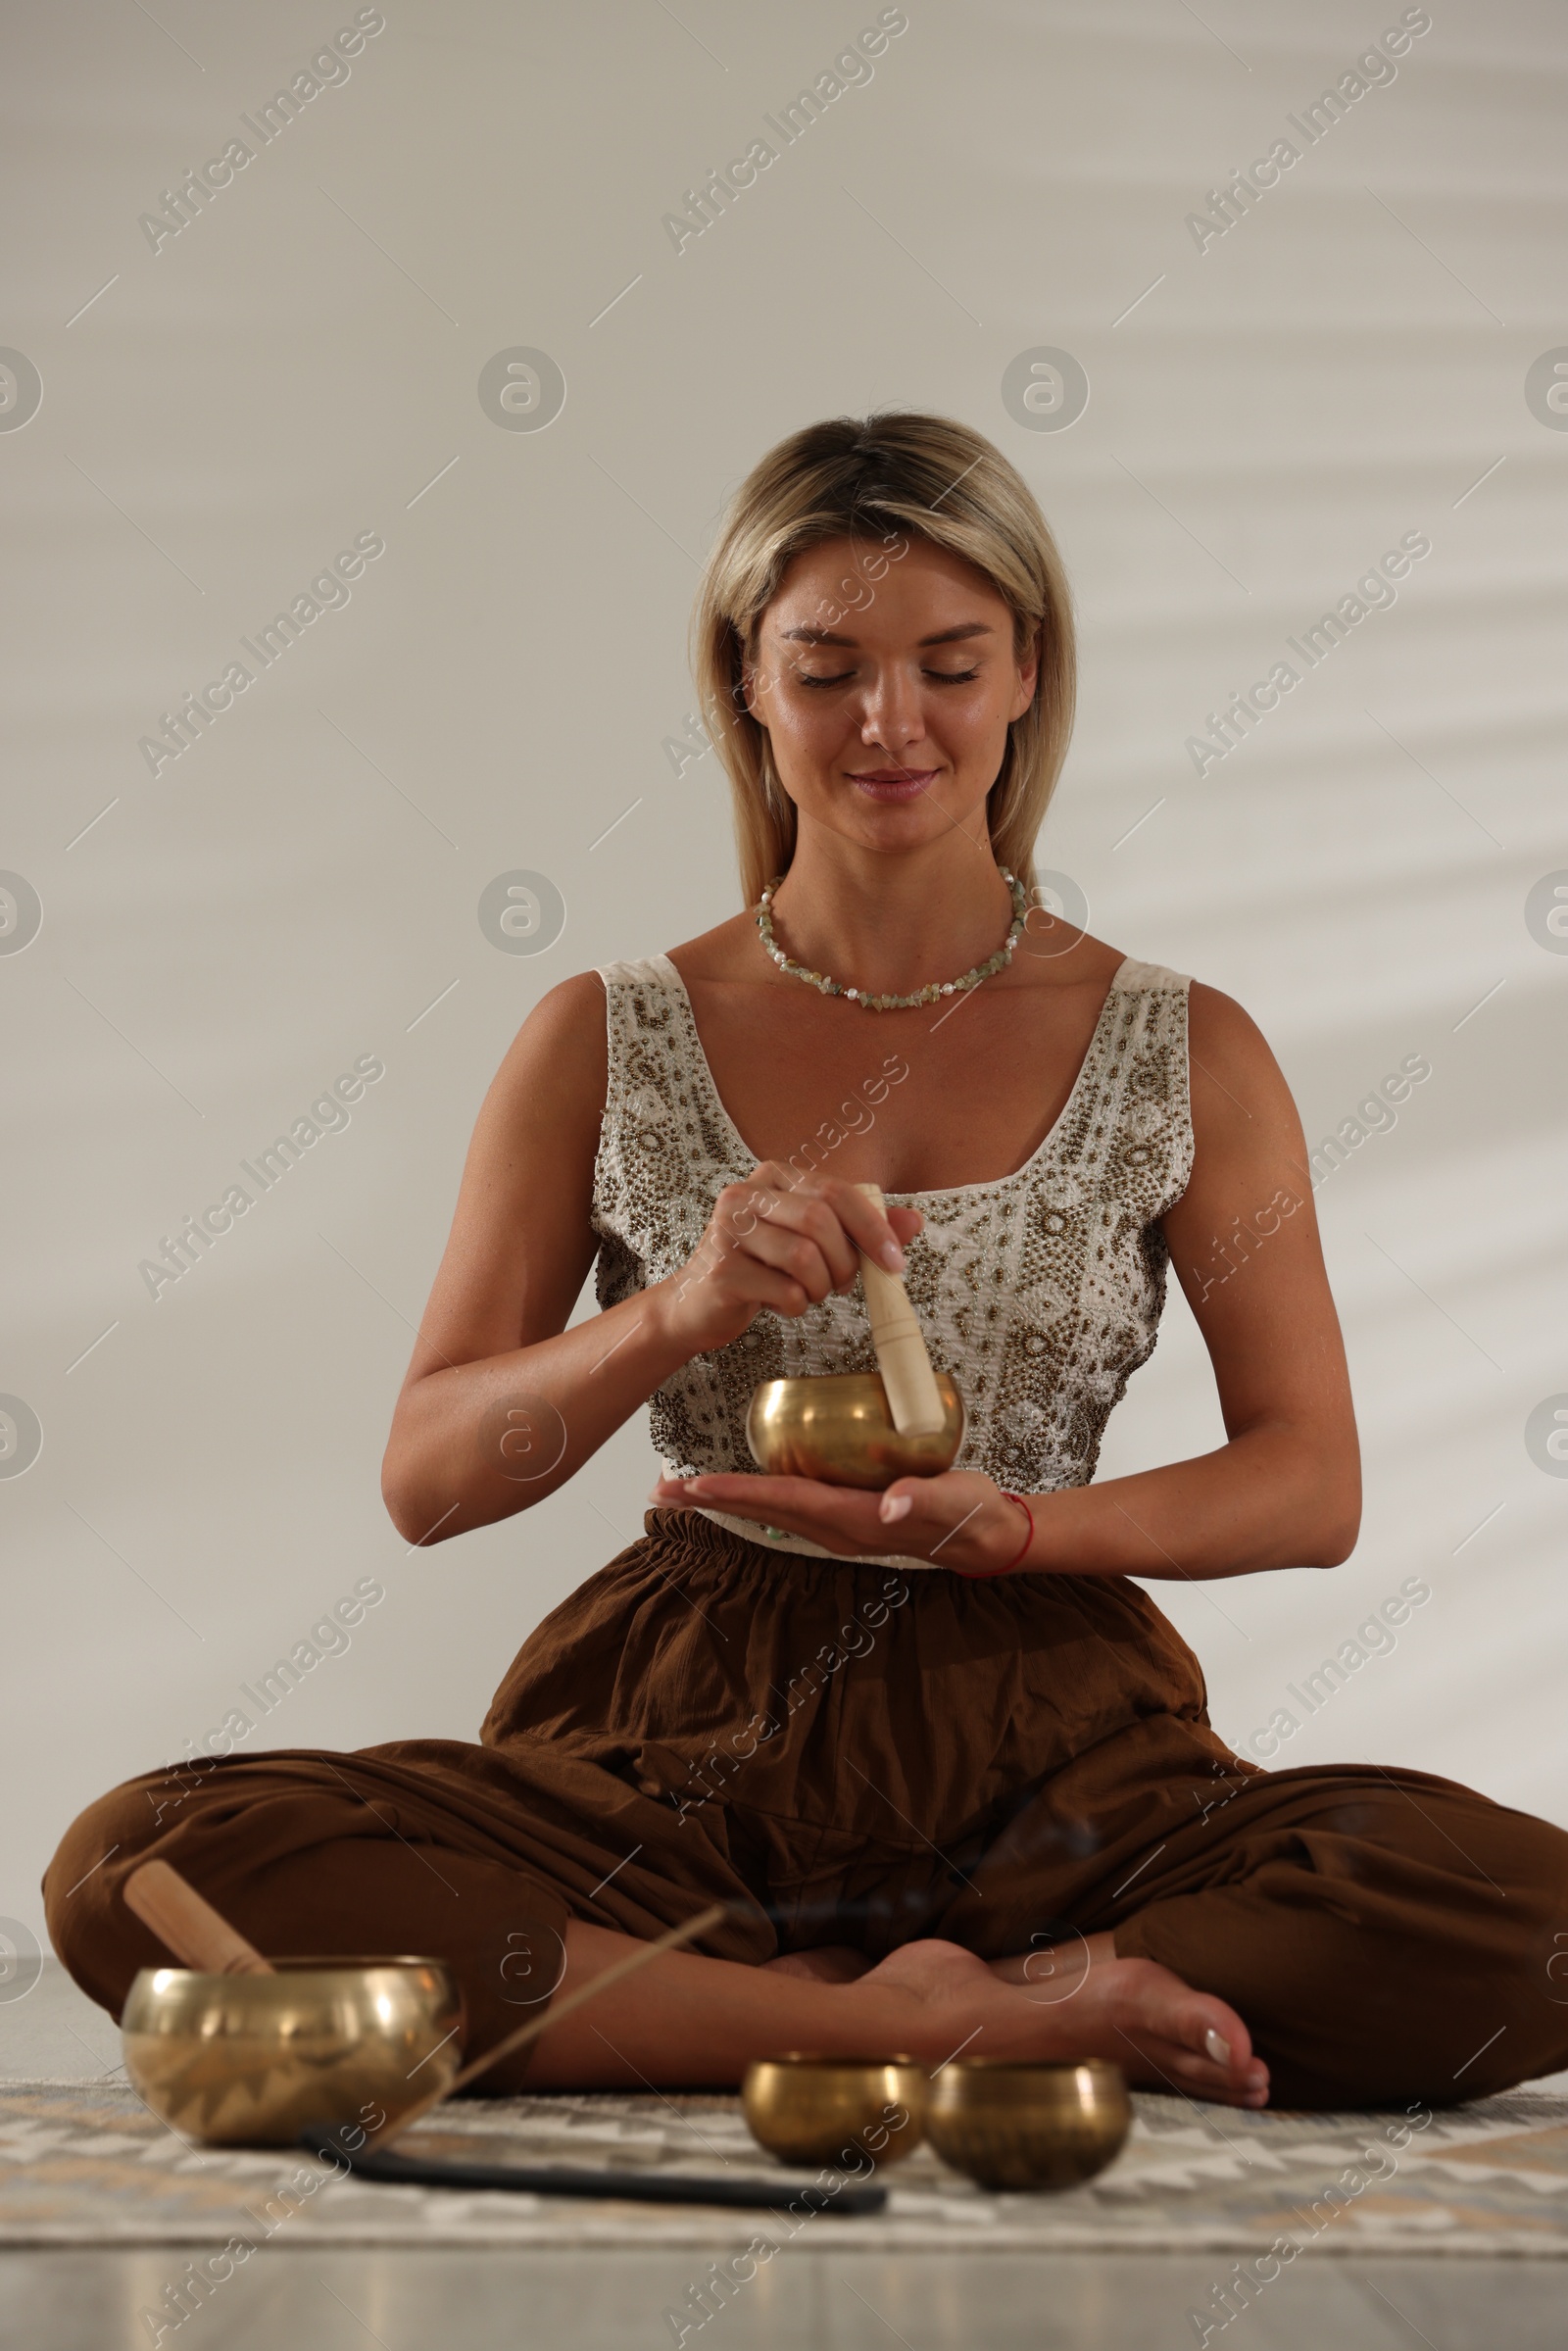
{"x":847,"y":1754}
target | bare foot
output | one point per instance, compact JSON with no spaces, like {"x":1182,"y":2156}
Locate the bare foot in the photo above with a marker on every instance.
{"x":1055,"y":1968}
{"x":1163,"y":2033}
{"x":830,"y":1963}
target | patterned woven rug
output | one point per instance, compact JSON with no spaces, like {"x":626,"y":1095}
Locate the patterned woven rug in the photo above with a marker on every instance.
{"x":87,"y":2164}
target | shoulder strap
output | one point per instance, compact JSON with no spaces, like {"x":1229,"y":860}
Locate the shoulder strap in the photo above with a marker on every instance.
{"x":644,"y":968}
{"x":1134,"y":975}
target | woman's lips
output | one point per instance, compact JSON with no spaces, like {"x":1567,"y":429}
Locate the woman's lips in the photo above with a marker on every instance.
{"x":903,"y":783}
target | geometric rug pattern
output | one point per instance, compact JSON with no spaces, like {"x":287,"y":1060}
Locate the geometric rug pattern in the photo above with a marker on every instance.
{"x":88,"y":2164}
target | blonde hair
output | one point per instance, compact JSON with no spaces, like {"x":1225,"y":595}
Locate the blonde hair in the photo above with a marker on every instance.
{"x":898,"y":471}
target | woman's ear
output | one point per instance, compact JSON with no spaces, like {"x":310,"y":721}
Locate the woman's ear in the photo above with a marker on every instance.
{"x":1028,"y":674}
{"x":749,"y":692}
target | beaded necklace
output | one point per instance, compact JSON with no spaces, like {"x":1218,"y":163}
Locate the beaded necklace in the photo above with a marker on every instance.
{"x":894,"y":1004}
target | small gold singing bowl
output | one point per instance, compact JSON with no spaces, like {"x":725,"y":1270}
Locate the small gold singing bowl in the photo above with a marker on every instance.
{"x":236,"y":2061}
{"x":836,"y":1426}
{"x":1011,"y":2124}
{"x":824,"y":2110}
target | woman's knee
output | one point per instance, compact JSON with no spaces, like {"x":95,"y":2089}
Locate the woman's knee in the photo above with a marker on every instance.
{"x":94,"y":1933}
{"x":1525,"y":2004}
{"x":1468,"y":1995}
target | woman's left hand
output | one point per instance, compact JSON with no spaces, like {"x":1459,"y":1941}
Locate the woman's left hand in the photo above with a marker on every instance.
{"x":960,"y":1520}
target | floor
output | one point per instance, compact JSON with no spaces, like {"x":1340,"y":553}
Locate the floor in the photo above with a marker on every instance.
{"x":349,"y":2301}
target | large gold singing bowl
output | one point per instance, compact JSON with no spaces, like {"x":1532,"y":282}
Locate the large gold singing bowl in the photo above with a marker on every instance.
{"x":823,"y":2109}
{"x":237,"y":2061}
{"x":836,"y":1426}
{"x":1014,"y":2124}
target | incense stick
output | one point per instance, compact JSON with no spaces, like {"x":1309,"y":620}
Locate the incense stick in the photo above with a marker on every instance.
{"x":559,"y":2010}
{"x":201,"y":1938}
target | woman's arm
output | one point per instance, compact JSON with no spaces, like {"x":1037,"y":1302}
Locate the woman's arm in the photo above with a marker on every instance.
{"x":502,"y":1403}
{"x":1283,"y":1490}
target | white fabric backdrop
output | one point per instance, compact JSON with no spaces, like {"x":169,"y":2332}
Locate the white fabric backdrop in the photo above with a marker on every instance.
{"x":227,"y":404}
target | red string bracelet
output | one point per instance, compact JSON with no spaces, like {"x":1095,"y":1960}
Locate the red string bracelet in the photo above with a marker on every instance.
{"x":1009,"y":1495}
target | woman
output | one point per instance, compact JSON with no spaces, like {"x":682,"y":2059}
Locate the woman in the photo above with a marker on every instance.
{"x":950,"y":1770}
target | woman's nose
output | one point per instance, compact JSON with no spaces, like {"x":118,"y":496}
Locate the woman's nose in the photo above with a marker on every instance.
{"x":894,"y":716}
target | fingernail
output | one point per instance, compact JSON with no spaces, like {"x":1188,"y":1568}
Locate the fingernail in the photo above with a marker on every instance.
{"x":1219,"y":2050}
{"x":892,"y":1256}
{"x":893,"y":1506}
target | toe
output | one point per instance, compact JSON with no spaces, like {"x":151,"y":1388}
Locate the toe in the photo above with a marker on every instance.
{"x":1217,"y":2033}
{"x":1174,"y":2066}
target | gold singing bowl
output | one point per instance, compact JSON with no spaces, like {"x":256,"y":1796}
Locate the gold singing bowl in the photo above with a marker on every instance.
{"x":836,"y":1426}
{"x":1011,"y":2124}
{"x":823,"y":2109}
{"x":236,"y":2061}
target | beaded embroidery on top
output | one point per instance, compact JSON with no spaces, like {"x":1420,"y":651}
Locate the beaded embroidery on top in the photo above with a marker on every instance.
{"x":1041,"y":1291}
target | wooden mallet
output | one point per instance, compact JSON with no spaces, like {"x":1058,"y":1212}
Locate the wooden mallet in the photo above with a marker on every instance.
{"x":913,"y":1398}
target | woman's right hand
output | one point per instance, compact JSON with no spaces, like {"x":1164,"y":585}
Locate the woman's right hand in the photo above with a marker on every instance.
{"x":780,"y":1241}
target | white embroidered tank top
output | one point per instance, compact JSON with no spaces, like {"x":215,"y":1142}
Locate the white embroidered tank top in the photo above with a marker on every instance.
{"x":1040,"y":1292}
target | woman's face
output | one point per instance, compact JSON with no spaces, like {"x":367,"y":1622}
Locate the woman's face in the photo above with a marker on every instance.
{"x":885,"y":678}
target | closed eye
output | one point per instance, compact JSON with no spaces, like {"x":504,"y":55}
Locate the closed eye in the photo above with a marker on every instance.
{"x":938,"y":677}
